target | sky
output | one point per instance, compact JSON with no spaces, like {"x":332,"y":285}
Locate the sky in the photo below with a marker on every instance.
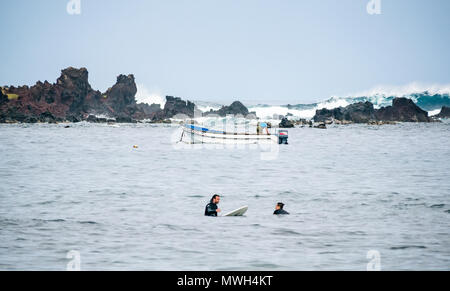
{"x":256,"y":51}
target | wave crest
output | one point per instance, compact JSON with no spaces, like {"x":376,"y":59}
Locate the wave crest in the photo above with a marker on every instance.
{"x":429,"y":98}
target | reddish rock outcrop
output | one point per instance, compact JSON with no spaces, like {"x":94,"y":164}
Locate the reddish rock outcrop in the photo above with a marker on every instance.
{"x":72,"y":99}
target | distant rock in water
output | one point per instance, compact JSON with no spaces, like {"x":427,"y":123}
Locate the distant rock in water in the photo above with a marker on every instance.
{"x":236,"y":108}
{"x":362,"y":112}
{"x":324,"y":114}
{"x":72,"y":99}
{"x":321,"y":125}
{"x":175,"y":106}
{"x":445,"y":113}
{"x":402,"y":110}
{"x":146,"y":111}
{"x":286,"y":123}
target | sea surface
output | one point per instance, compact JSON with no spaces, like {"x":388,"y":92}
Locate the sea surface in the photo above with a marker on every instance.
{"x":358,"y":196}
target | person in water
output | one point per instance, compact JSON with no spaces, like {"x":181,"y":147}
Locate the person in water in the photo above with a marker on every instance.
{"x":212,"y":209}
{"x":279,"y":209}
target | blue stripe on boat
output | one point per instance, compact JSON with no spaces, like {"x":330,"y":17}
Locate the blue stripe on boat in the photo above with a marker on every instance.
{"x":193,"y":127}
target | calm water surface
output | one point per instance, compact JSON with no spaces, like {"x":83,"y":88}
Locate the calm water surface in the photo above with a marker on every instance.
{"x":349,"y":189}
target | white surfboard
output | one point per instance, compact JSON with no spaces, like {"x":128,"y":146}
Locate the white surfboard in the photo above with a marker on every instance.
{"x":238,"y":212}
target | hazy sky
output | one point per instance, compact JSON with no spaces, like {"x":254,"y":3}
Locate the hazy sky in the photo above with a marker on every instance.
{"x":258,"y":51}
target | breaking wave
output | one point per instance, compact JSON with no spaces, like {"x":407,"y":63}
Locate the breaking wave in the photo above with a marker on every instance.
{"x":144,"y":95}
{"x":205,"y":106}
{"x":431,"y":99}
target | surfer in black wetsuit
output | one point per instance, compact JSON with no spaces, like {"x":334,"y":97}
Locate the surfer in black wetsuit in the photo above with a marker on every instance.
{"x":279,"y":209}
{"x":211,"y":208}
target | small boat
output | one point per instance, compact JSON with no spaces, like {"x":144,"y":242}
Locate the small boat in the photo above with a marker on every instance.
{"x":192,"y":134}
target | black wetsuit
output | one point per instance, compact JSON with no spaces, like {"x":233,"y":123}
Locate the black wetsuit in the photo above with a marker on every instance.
{"x":281,"y":212}
{"x":211,"y":209}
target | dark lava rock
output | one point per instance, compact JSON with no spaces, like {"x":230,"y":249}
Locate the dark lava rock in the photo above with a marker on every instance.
{"x":72,"y":88}
{"x":402,"y":110}
{"x":47,"y":117}
{"x":175,"y":106}
{"x":321,"y":125}
{"x":145,"y":111}
{"x":121,"y":96}
{"x":3,"y":97}
{"x":71,"y":99}
{"x":362,"y":112}
{"x":236,"y":108}
{"x":31,"y":119}
{"x":149,"y":109}
{"x":286,"y":123}
{"x":445,"y":112}
{"x":94,"y":119}
{"x":125,"y":119}
{"x":73,"y":119}
{"x":324,"y":115}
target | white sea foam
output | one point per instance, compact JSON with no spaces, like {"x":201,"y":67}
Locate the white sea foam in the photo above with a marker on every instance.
{"x":405,"y":90}
{"x":104,"y":116}
{"x":144,"y":95}
{"x":298,"y":111}
{"x":380,"y":96}
{"x":207,"y":106}
{"x":434,"y":112}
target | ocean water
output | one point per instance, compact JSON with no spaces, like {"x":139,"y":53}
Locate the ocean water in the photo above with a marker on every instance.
{"x":350,"y":190}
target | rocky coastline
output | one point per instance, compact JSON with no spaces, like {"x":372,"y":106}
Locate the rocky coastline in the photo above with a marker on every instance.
{"x":402,"y":110}
{"x":236,"y":108}
{"x":72,"y":99}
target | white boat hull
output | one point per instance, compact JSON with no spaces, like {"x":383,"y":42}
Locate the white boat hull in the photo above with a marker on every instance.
{"x":192,"y":136}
